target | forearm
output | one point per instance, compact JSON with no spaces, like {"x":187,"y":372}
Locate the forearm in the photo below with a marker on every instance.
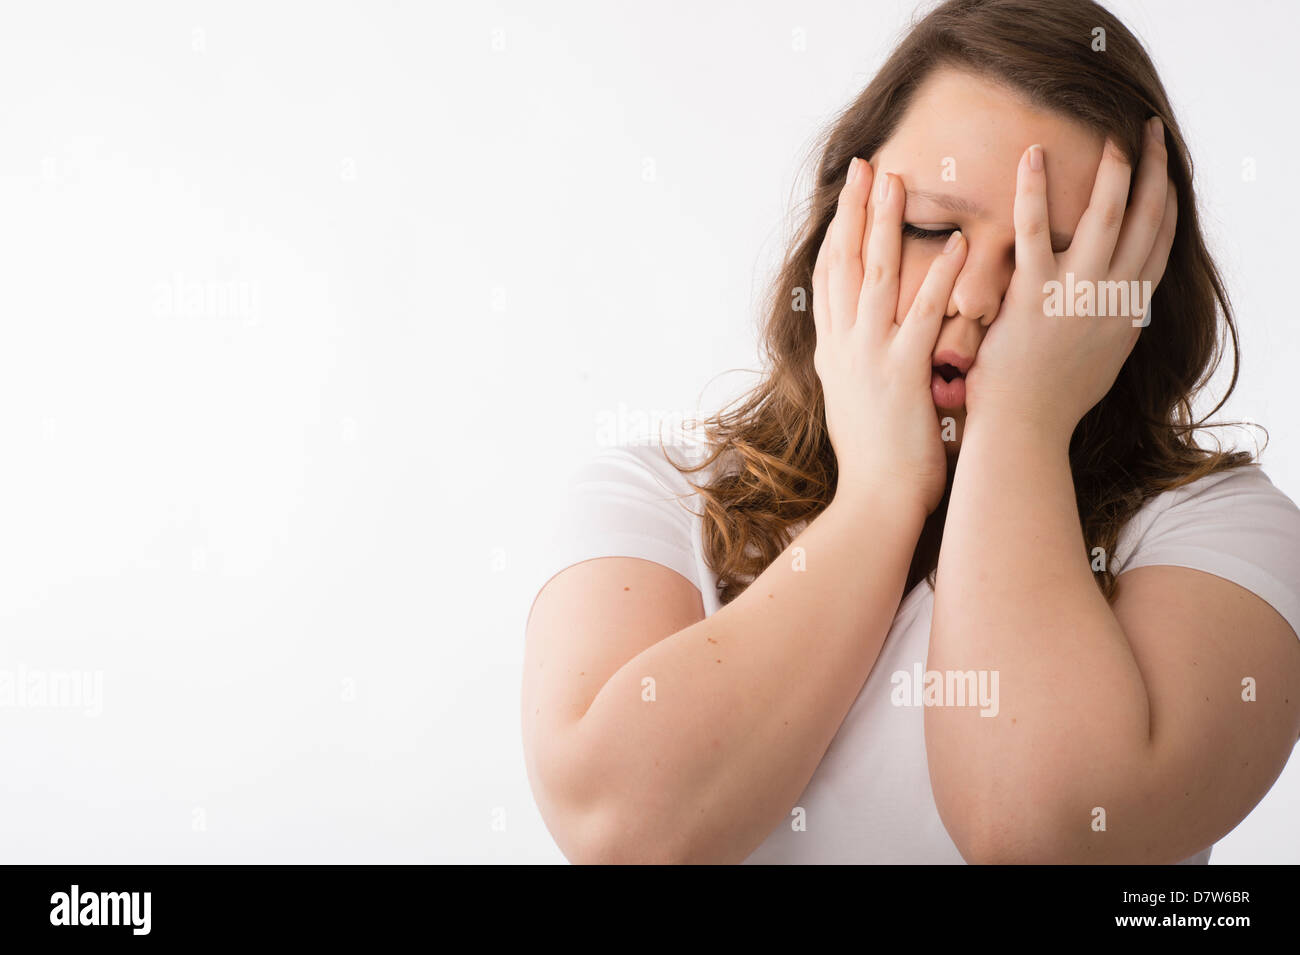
{"x":1015,"y":594}
{"x":746,"y":701}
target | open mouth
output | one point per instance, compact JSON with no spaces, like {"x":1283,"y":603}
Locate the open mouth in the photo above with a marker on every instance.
{"x":948,"y":379}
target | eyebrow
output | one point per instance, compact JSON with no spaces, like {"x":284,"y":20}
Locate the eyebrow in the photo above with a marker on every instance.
{"x":962,"y":206}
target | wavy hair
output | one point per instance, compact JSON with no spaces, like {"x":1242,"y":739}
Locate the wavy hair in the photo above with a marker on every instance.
{"x":1139,"y":441}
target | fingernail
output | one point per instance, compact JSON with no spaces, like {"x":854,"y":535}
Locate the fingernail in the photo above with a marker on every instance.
{"x":953,"y":241}
{"x":1156,"y":130}
{"x":882,"y":192}
{"x":853,"y":169}
{"x":1036,"y":158}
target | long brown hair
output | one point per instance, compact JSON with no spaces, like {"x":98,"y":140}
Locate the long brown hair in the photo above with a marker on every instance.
{"x":1137,"y":442}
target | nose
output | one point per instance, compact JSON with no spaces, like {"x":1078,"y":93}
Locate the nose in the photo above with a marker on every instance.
{"x":981,"y":284}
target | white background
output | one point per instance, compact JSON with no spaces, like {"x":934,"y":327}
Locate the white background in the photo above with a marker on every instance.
{"x":308,"y":310}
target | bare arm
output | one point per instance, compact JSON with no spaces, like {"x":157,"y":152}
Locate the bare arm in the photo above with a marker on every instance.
{"x":699,"y":745}
{"x":1133,"y":710}
{"x":746,"y":702}
{"x":1122,"y":734}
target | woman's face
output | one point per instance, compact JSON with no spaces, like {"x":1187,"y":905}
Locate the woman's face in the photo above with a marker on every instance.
{"x":956,"y":152}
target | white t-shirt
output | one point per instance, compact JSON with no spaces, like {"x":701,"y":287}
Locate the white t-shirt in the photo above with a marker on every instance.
{"x":869,"y":801}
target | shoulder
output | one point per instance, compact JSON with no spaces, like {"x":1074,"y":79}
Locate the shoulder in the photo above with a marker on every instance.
{"x":651,"y":472}
{"x":630,"y":500}
{"x":1223,"y":504}
{"x":1235,"y":524}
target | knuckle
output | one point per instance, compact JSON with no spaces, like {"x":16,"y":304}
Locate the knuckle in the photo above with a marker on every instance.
{"x":925,"y":303}
{"x":872,"y":276}
{"x":1115,"y":153}
{"x":1154,"y":210}
{"x":1110,"y":215}
{"x":1032,"y":225}
{"x":1029,"y":191}
{"x":848,"y":257}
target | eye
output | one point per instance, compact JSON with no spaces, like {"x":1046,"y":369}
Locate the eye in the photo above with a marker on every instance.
{"x":916,"y":232}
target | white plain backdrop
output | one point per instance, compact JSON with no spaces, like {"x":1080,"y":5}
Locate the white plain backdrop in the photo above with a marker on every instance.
{"x":309,"y":309}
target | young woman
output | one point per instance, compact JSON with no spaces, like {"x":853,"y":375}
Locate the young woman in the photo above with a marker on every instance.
{"x":957,"y":581}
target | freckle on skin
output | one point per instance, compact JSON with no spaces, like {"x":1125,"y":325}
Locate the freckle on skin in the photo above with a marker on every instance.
{"x":711,"y":640}
{"x":719,"y":661}
{"x":627,"y":588}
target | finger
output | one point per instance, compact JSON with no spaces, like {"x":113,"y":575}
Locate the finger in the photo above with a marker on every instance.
{"x":1154,"y":267}
{"x":1033,"y":230}
{"x":878,"y":301}
{"x":1146,"y":210}
{"x":1094,"y":240}
{"x":921,"y":326}
{"x":842,"y":247}
{"x":821,"y":308}
{"x":823,"y":313}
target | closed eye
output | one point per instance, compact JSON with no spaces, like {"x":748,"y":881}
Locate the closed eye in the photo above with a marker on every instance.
{"x":916,"y":232}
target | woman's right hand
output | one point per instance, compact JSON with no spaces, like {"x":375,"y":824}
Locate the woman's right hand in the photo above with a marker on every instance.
{"x":875,"y":372}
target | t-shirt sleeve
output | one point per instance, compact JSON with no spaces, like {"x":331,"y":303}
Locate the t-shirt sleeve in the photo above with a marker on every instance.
{"x":1234,"y":524}
{"x":624,"y":501}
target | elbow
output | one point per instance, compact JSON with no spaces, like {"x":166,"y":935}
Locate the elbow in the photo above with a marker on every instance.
{"x":988,"y":847}
{"x":595,"y":828}
{"x":608,"y":839}
{"x":610,"y":835}
{"x":1030,"y":831}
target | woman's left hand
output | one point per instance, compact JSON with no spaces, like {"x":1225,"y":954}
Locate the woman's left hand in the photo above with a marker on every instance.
{"x":1042,"y":361}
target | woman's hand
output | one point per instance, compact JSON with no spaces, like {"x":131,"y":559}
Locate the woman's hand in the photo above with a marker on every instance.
{"x":1043,"y":361}
{"x":875,"y":373}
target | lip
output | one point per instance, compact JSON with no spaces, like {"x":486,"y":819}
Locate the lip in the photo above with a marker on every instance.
{"x":950,"y":357}
{"x":949,"y":395}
